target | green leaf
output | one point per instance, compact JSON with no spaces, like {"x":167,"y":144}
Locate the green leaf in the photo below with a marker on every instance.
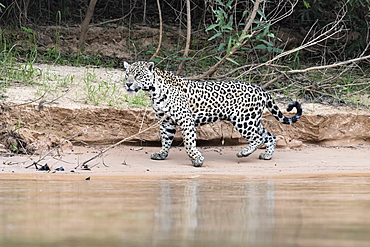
{"x":261,"y":14}
{"x":260,"y":47}
{"x":267,"y":42}
{"x":184,"y":58}
{"x":237,"y":44}
{"x":220,"y":2}
{"x":222,"y":15}
{"x":221,"y":47}
{"x":229,"y":44}
{"x":232,"y":60}
{"x":156,"y":60}
{"x":227,"y":27}
{"x":245,"y":36}
{"x":218,"y":58}
{"x":231,"y":19}
{"x":213,"y":26}
{"x":306,"y":4}
{"x":267,"y":30}
{"x":229,"y":4}
{"x":277,"y":50}
{"x":215,"y":36}
{"x":245,"y":12}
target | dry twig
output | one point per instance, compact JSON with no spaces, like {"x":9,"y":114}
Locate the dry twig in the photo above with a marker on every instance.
{"x":121,"y":141}
{"x":55,"y":148}
{"x":329,"y":66}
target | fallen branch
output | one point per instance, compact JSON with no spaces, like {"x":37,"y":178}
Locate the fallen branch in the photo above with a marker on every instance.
{"x":41,"y":102}
{"x":120,"y":142}
{"x":26,"y":103}
{"x":55,"y":148}
{"x":266,"y":85}
{"x":347,"y":85}
{"x":297,"y":71}
{"x":327,"y":66}
{"x":110,"y":21}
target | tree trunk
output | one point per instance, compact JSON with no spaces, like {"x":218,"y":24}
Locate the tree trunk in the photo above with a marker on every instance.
{"x":85,"y":24}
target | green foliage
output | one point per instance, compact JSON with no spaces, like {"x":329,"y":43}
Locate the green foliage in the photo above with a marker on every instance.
{"x":138,"y":99}
{"x":226,"y":31}
{"x":224,"y":19}
{"x":99,"y":92}
{"x":30,"y":43}
{"x":224,"y":27}
{"x":306,"y":4}
{"x":11,"y":70}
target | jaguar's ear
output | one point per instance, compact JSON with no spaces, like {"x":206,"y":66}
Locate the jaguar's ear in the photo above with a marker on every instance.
{"x":126,"y":65}
{"x":151,"y":66}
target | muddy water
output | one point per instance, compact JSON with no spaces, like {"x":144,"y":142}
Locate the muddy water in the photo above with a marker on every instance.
{"x":186,"y":212}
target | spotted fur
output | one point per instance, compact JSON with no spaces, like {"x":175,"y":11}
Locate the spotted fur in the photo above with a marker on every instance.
{"x":189,"y":103}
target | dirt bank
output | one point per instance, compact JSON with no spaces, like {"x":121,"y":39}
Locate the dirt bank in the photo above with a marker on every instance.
{"x":104,"y":125}
{"x":59,"y":107}
{"x":61,"y":123}
{"x":60,"y":136}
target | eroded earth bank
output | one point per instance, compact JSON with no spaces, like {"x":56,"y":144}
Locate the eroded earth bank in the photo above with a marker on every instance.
{"x":41,"y":129}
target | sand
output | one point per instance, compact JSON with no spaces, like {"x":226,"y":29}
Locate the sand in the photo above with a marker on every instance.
{"x":127,"y":162}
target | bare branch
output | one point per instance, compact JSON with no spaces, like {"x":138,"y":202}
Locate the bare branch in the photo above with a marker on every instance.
{"x":160,"y":30}
{"x":188,"y":37}
{"x":332,"y":31}
{"x":327,"y":66}
{"x":290,"y":72}
{"x":110,"y":21}
{"x":266,"y":85}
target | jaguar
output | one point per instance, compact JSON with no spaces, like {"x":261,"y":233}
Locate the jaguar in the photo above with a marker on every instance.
{"x":186,"y":103}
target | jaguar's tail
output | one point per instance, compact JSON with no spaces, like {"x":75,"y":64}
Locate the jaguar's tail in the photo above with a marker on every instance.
{"x":274,"y":109}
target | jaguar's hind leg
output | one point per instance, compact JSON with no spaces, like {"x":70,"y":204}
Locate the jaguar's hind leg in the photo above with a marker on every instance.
{"x":270,"y":141}
{"x":256,"y":136}
{"x":253,"y":145}
{"x":255,"y":140}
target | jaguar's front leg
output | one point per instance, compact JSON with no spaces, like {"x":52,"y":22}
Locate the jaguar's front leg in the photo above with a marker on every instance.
{"x":167,"y":132}
{"x":189,"y":136}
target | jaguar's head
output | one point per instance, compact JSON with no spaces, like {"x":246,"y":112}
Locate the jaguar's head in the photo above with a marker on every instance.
{"x":139,"y":75}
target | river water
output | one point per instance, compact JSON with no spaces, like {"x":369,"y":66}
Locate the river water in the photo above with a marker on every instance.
{"x":186,"y":212}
